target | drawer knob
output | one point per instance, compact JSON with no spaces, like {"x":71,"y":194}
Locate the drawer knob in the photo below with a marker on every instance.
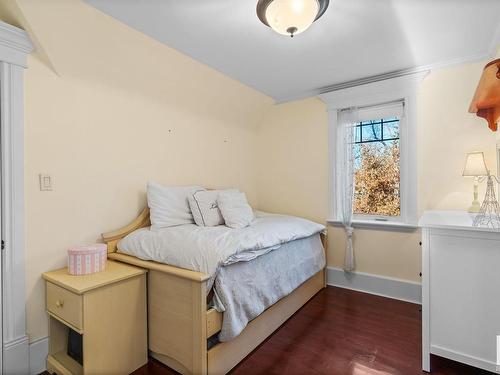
{"x":59,"y":303}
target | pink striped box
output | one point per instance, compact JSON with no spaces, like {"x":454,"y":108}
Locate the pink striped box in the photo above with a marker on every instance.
{"x":86,"y":259}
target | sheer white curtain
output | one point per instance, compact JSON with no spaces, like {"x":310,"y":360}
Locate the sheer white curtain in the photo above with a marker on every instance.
{"x":346,"y":120}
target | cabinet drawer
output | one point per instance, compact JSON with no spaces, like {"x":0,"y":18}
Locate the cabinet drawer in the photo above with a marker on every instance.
{"x":65,"y":305}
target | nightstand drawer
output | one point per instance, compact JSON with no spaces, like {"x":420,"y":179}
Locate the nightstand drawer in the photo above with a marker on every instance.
{"x":65,"y":305}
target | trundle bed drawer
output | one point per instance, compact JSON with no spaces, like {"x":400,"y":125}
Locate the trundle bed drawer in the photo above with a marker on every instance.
{"x":214,"y":322}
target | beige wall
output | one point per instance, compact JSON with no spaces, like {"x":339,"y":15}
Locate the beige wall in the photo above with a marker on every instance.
{"x":112,"y":110}
{"x":108,"y":108}
{"x":293,"y":174}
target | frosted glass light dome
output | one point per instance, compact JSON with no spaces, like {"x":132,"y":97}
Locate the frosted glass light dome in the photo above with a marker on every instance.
{"x":290,"y":17}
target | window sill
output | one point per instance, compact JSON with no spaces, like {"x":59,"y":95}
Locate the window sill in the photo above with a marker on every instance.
{"x":380,"y":225}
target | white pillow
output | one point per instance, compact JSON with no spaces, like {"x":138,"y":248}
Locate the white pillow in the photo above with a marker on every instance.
{"x":168,"y":205}
{"x":205,"y":209}
{"x":235,"y":209}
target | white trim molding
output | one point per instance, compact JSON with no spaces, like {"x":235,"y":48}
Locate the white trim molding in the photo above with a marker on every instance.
{"x":39,"y":350}
{"x":464,"y":358}
{"x":16,"y":356}
{"x":473,"y":58}
{"x":14,"y":47}
{"x":403,"y":290}
{"x":382,"y":225}
{"x":370,"y":94}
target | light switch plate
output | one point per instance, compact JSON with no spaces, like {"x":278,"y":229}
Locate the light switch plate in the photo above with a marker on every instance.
{"x":45,"y":182}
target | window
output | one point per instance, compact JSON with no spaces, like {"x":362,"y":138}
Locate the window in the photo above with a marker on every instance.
{"x":384,"y":152}
{"x":377,"y":162}
{"x":377,"y":168}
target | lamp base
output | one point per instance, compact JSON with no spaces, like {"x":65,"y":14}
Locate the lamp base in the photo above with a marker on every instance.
{"x":475,"y":207}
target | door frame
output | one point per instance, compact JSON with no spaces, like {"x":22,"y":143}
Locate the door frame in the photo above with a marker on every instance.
{"x":15,"y":45}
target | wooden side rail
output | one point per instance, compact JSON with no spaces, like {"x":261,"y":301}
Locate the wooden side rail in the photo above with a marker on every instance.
{"x":177,"y":314}
{"x":165,"y":268}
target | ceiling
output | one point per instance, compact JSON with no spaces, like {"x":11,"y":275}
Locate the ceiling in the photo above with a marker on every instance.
{"x":354,"y":39}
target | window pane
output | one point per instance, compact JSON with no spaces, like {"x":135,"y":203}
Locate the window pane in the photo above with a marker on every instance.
{"x":377,"y":172}
{"x":391,"y":129}
{"x":372,"y":131}
{"x":358,"y":134}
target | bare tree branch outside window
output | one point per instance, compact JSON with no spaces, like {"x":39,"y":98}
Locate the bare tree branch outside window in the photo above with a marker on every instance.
{"x":377,"y":168}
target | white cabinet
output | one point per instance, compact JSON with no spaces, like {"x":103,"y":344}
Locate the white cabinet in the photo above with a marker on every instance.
{"x":460,"y":289}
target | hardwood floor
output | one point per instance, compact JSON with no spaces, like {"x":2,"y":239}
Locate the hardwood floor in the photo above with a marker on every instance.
{"x":346,"y":333}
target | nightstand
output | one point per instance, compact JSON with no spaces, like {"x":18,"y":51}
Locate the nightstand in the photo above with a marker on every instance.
{"x":97,"y":322}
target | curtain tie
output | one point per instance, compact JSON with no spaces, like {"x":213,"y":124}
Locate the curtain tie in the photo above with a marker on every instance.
{"x":349,"y":230}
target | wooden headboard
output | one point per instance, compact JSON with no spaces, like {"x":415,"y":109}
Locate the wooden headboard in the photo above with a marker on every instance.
{"x":112,"y":238}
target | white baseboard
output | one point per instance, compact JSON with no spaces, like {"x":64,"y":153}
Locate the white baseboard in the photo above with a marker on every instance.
{"x":39,"y":350}
{"x":403,"y":290}
{"x":22,"y":357}
{"x":465,"y":358}
{"x":16,"y":356}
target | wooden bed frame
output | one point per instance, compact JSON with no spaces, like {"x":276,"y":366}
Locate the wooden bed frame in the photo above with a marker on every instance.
{"x":179,"y":322}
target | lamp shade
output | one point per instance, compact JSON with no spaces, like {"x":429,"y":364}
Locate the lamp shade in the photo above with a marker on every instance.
{"x":475,"y":165}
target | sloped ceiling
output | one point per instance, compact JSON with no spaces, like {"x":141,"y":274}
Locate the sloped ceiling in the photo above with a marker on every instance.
{"x":354,"y":39}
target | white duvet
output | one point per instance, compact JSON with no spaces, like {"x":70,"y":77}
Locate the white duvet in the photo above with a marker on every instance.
{"x":205,"y":249}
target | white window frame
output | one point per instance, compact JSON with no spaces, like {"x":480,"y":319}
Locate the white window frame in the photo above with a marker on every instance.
{"x":371,"y":94}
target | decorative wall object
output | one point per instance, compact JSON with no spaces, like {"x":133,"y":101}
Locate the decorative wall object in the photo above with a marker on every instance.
{"x":486,"y":101}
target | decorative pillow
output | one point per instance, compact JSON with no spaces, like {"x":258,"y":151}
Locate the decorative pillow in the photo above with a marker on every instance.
{"x":168,"y":205}
{"x":205,"y":208}
{"x":235,"y":209}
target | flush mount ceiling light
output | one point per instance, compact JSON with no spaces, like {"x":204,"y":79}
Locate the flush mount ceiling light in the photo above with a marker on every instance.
{"x":290,"y":17}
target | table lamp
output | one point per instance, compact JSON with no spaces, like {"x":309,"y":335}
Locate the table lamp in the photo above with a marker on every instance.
{"x":475,"y":167}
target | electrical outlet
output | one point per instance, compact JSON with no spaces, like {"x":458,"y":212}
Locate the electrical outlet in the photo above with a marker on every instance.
{"x":45,"y":182}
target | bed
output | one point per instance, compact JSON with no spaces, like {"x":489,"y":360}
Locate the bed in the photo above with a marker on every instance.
{"x":180,"y":322}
